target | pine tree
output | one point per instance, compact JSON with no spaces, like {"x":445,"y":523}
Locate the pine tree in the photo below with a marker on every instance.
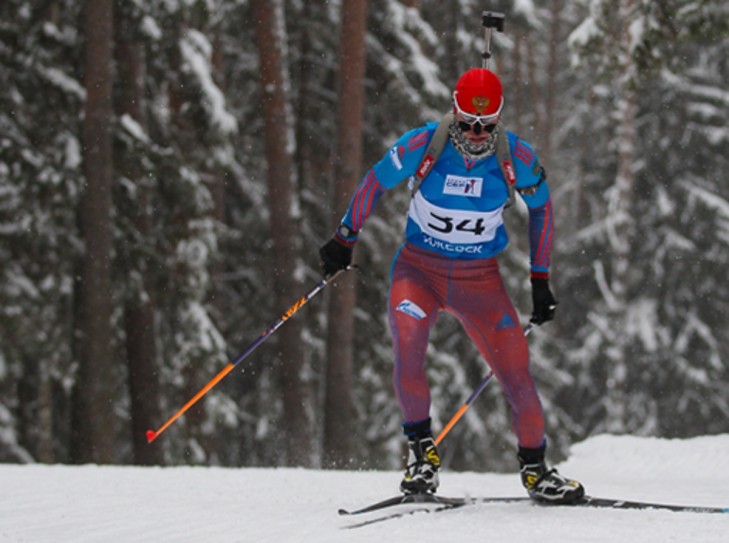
{"x":626,"y":356}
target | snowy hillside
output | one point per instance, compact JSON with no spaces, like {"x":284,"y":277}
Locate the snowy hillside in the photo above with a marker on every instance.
{"x":44,"y":504}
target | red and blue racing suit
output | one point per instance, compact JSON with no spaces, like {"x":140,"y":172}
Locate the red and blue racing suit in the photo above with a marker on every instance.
{"x":454,"y":232}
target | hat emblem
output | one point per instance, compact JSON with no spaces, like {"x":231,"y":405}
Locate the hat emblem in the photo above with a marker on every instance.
{"x":480,"y":103}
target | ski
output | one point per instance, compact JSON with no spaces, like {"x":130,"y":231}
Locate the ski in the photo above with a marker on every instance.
{"x":424,"y":507}
{"x":610,"y":503}
{"x":404,"y":499}
{"x":587,"y":501}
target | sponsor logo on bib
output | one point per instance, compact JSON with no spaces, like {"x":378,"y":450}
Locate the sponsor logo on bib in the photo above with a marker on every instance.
{"x":456,"y":185}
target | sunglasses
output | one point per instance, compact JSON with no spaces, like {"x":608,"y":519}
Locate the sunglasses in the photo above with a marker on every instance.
{"x":476,"y":127}
{"x":468,"y":121}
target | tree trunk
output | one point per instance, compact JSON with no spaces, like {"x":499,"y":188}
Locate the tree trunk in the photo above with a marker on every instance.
{"x":452,"y":25}
{"x":139,"y":305}
{"x":35,"y":409}
{"x":533,"y":87}
{"x":550,"y":101}
{"x":621,"y":228}
{"x":296,"y":427}
{"x":93,"y":396}
{"x":305,"y":98}
{"x":338,"y":409}
{"x":219,"y":191}
{"x":517,"y":108}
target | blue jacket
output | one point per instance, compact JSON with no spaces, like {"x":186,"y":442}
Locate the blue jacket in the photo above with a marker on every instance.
{"x":458,"y":210}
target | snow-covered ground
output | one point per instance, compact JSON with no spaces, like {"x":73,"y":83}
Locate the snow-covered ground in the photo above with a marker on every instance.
{"x":67,"y":504}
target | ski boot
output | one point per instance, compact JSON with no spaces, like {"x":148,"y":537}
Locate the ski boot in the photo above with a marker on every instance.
{"x":421,"y":475}
{"x":546,"y":484}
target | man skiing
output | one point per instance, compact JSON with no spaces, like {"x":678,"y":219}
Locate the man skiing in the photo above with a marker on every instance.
{"x":448,"y":262}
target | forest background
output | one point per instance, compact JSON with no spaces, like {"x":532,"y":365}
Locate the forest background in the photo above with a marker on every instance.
{"x":169,"y":169}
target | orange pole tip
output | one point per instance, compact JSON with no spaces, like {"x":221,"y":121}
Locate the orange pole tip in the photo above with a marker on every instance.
{"x":151,"y":436}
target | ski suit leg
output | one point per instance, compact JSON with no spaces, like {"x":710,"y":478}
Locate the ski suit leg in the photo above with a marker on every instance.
{"x":412,"y":311}
{"x":479,"y":300}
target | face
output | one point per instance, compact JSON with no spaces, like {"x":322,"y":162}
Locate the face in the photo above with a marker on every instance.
{"x":474,"y":131}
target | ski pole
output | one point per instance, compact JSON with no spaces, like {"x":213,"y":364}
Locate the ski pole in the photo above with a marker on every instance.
{"x":482,"y":385}
{"x":490,"y":19}
{"x":290,"y":312}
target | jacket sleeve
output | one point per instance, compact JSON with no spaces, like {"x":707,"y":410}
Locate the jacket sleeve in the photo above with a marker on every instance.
{"x":532,"y":186}
{"x":398,"y":164}
{"x":541,"y":234}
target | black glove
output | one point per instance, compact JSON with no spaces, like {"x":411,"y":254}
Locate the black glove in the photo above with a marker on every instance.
{"x":543,"y":301}
{"x":334,"y":257}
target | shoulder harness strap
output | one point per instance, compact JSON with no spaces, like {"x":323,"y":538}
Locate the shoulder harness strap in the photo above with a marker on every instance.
{"x":503,"y":155}
{"x":437,"y":143}
{"x":432,"y":152}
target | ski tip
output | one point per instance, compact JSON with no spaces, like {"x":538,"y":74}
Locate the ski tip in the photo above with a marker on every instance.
{"x":344,"y":512}
{"x":151,"y":436}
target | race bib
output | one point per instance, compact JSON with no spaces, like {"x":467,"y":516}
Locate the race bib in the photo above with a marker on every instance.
{"x":455,"y":225}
